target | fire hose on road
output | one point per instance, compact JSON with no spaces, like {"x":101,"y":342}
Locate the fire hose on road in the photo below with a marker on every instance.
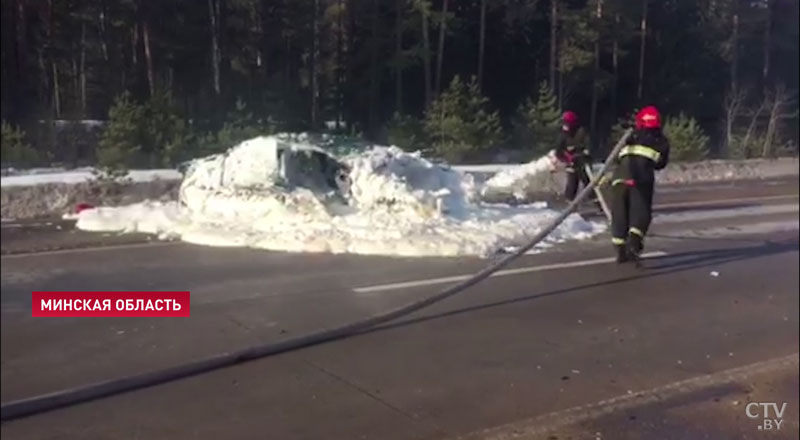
{"x":46,"y":402}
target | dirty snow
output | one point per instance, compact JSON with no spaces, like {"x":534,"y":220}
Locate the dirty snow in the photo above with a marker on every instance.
{"x":397,"y":203}
{"x":39,"y":176}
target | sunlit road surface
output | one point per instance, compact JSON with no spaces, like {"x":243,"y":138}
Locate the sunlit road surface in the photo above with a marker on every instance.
{"x":564,"y":345}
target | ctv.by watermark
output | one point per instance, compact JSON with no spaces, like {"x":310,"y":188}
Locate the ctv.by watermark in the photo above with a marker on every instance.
{"x":765,"y":411}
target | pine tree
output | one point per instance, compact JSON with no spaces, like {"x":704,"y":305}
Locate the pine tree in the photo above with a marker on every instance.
{"x":152,"y":134}
{"x":542,"y":119}
{"x":406,"y":132}
{"x":686,"y":138}
{"x":459,"y":123}
{"x":121,"y":141}
{"x":15,"y":151}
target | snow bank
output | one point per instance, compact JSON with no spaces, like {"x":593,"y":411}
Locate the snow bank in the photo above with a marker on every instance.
{"x":46,"y":200}
{"x":42,"y":176}
{"x":261,"y":194}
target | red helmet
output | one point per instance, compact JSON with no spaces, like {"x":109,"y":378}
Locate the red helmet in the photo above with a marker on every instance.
{"x":570,"y":118}
{"x":648,"y":117}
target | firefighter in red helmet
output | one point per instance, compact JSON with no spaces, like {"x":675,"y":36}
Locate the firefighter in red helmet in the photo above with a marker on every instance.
{"x":573,"y":152}
{"x":646,"y":151}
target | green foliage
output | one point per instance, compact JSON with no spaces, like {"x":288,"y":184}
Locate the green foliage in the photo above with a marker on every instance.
{"x":542,"y":119}
{"x":406,"y":132}
{"x":241,"y":125}
{"x":686,"y":138}
{"x":168,"y":139}
{"x":459,"y":123}
{"x":15,"y":151}
{"x":744,"y":147}
{"x":143,"y":135}
{"x":577,"y":41}
{"x":121,"y":141}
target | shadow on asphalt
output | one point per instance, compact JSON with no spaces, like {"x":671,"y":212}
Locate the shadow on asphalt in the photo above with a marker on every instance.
{"x":655,"y":267}
{"x":709,"y":207}
{"x":727,"y":239}
{"x":680,"y":209}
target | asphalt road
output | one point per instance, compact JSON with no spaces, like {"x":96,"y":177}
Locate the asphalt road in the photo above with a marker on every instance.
{"x":568,"y":347}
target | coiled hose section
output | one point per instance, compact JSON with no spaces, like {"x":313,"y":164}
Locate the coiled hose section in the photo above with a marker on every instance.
{"x":72,"y":396}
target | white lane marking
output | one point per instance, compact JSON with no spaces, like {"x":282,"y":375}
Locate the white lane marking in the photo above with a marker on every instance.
{"x":722,"y":201}
{"x":727,"y":231}
{"x":715,"y":214}
{"x":499,"y":273}
{"x":536,"y":426}
{"x":91,"y":249}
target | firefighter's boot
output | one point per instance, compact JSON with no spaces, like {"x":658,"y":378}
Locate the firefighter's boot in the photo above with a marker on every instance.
{"x":622,"y":253}
{"x":635,"y":246}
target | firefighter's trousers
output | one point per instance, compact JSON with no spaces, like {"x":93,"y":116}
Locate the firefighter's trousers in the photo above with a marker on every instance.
{"x":576,"y":173}
{"x":631,"y":211}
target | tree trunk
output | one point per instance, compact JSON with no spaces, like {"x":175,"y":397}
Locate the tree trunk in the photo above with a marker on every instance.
{"x":426,"y":49}
{"x":735,"y":52}
{"x":553,"y":42}
{"x":596,"y":72}
{"x":767,"y":148}
{"x":22,"y":41}
{"x":258,"y":22}
{"x":213,"y":12}
{"x":778,"y":101}
{"x":339,"y":61}
{"x":103,"y":31}
{"x":151,"y":77}
{"x":753,"y":123}
{"x":733,"y":102}
{"x":56,"y":88}
{"x":314,"y":80}
{"x":440,"y":51}
{"x":481,"y":43}
{"x":767,"y":37}
{"x":135,"y":46}
{"x":374,"y":86}
{"x":76,"y":80}
{"x":398,"y":50}
{"x":83,"y":69}
{"x":170,"y":81}
{"x":642,"y":46}
{"x":56,"y":91}
{"x":287,"y":66}
{"x":615,"y":68}
{"x":560,"y":90}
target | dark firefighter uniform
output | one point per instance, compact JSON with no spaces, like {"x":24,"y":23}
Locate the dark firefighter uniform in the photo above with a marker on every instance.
{"x":573,"y":152}
{"x":646,"y":151}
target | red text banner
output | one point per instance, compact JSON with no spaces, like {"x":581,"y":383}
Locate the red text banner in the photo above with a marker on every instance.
{"x":111,"y":304}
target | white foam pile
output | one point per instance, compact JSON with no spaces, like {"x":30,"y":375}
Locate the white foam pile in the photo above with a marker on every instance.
{"x":395,"y":203}
{"x":520,"y":180}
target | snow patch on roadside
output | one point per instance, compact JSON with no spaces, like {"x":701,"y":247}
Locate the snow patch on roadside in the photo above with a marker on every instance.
{"x":41,"y":176}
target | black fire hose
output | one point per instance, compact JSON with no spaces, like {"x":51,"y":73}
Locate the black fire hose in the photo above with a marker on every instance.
{"x":47,"y":402}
